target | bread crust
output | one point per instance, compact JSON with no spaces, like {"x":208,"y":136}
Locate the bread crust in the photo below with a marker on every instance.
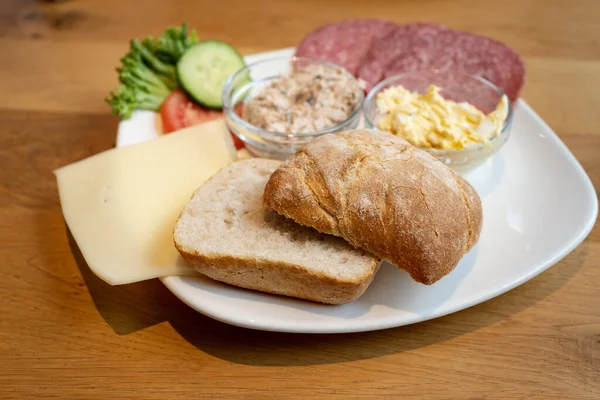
{"x":382,"y":195}
{"x":268,"y":276}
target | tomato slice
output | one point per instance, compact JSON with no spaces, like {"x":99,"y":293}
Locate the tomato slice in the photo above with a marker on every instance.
{"x":179,"y":111}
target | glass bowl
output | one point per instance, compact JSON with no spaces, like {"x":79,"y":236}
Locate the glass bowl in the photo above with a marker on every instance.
{"x":457,"y":87}
{"x":248,"y":82}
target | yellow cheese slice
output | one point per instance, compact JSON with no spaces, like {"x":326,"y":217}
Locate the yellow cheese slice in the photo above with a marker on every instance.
{"x":121,"y":205}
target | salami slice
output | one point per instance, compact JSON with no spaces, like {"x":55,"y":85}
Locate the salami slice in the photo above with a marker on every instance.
{"x":442,"y":49}
{"x":344,"y":43}
{"x":412,"y":39}
{"x":471,"y":54}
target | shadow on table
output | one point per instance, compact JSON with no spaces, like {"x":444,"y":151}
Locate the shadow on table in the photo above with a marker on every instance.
{"x":126,"y":308}
{"x":133,"y":307}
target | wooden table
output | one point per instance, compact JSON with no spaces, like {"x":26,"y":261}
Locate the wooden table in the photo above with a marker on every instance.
{"x":66,"y":334}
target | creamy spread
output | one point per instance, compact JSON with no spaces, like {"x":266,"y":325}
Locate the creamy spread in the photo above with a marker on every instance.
{"x":309,"y":99}
{"x":428,"y":120}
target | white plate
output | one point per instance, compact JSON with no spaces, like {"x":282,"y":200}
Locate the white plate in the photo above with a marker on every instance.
{"x":538,"y":206}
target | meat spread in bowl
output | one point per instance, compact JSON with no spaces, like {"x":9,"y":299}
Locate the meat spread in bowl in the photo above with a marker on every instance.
{"x":286,"y":103}
{"x":309,"y":99}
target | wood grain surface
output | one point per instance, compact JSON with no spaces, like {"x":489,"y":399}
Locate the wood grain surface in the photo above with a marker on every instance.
{"x":66,"y":334}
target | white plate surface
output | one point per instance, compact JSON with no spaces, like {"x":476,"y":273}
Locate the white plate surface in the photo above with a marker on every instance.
{"x":538,"y":205}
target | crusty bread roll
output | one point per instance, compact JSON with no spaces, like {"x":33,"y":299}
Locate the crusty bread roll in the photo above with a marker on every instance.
{"x":225,"y":233}
{"x":383,"y":195}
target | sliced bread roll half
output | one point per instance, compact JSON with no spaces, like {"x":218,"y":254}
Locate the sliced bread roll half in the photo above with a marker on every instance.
{"x":383,"y":195}
{"x":225,"y":233}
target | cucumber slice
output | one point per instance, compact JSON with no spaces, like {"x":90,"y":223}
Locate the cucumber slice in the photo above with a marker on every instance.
{"x":204,"y":68}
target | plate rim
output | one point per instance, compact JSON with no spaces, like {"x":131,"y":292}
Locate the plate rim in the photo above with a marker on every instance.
{"x":172,"y":282}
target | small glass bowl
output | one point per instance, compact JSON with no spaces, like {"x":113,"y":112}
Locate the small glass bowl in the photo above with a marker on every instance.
{"x":457,"y":87}
{"x":249,"y":82}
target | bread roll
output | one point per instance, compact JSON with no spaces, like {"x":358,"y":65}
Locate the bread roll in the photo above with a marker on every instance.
{"x":225,"y":233}
{"x":383,"y":195}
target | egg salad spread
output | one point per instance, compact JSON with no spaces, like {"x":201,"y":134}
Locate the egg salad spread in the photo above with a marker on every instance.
{"x":428,"y":120}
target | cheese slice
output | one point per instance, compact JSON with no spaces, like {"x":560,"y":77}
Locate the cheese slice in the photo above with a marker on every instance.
{"x":121,"y":205}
